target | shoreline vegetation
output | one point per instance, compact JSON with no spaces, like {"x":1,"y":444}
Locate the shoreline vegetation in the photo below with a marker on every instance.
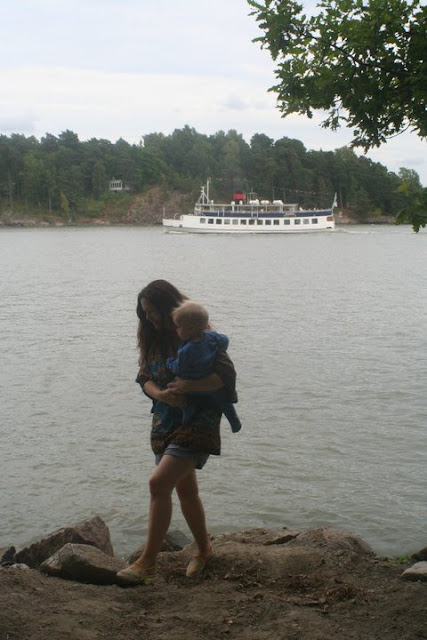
{"x":313,"y":584}
{"x":61,"y":180}
{"x":146,"y":209}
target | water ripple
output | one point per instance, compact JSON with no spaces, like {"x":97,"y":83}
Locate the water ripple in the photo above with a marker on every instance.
{"x":328,"y":336}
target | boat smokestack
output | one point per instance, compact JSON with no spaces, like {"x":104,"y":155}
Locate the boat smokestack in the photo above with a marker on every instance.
{"x":239,"y":197}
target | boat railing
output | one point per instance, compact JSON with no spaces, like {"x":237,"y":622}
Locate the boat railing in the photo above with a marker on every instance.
{"x":254,"y":210}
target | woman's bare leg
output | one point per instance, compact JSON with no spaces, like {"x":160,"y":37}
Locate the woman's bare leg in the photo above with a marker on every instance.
{"x":193,"y":511}
{"x":170,"y":471}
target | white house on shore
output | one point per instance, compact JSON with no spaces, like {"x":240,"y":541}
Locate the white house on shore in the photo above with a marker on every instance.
{"x":117,"y":185}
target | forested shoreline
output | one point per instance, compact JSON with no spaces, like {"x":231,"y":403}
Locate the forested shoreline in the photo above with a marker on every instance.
{"x":60,"y":178}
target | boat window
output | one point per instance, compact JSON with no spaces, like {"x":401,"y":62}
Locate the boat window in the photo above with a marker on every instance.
{"x":314,"y":221}
{"x":227,"y":221}
{"x":210,"y":221}
{"x":218,"y":221}
{"x":235,"y":221}
{"x":268,"y":222}
{"x":251,"y":221}
{"x":259,"y":221}
{"x":297,"y":221}
{"x":242,"y":221}
{"x":202,"y":220}
{"x":287,"y":221}
{"x":276,"y":221}
{"x":330,"y":218}
{"x":306,"y":221}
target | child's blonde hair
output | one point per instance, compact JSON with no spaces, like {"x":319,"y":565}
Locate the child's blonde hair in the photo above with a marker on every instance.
{"x":193,"y":313}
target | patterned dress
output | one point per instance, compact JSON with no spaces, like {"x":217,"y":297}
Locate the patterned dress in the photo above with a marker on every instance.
{"x":202,"y":433}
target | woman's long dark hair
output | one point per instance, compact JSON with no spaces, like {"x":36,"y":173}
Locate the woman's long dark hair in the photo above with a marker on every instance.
{"x":165,"y":298}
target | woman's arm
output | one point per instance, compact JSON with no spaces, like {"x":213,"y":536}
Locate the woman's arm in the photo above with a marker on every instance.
{"x":223,"y":376}
{"x":207,"y":384}
{"x":164,"y":395}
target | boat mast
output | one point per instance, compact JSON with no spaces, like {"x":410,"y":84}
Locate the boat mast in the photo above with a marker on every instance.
{"x":204,"y":193}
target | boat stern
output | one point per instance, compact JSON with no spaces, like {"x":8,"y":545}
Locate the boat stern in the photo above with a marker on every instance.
{"x":174,"y":223}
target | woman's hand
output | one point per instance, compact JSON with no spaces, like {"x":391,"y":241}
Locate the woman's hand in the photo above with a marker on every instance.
{"x":179,"y":386}
{"x":164,"y":395}
{"x":172,"y":399}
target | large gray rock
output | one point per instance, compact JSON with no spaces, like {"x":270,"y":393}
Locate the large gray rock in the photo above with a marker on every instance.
{"x":418,"y":571}
{"x":336,"y":539}
{"x":92,"y":531}
{"x":266,"y":537}
{"x":174,"y":541}
{"x":83,"y":563}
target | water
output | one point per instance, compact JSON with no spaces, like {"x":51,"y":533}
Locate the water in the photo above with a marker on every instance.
{"x":328,"y":334}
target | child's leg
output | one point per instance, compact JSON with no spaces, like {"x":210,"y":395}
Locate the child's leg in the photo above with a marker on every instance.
{"x":232,"y":417}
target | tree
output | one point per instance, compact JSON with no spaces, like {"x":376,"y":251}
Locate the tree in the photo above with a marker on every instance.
{"x":261,"y":166}
{"x":63,"y":174}
{"x":291,"y":176}
{"x":65,"y":207}
{"x":363,"y":61}
{"x":233,"y":160}
{"x":99,"y":179}
{"x":411,"y":178}
{"x":34,"y":179}
{"x":415,"y":212}
{"x":415,"y":196}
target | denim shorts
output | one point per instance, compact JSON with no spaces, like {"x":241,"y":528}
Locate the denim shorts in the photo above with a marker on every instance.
{"x":182,"y":452}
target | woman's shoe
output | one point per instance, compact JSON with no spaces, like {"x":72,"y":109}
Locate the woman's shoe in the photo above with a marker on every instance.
{"x":135,"y":574}
{"x":197,"y":564}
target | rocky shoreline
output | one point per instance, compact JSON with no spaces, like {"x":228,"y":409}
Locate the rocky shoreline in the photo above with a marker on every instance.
{"x":314,"y":584}
{"x":145,"y":209}
{"x":17,"y":221}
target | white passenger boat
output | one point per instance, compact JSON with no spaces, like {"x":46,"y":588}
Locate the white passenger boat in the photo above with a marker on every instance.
{"x":247,"y":214}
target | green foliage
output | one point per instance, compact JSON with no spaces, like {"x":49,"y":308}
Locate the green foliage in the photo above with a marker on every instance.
{"x":61,"y":175}
{"x":403,"y":559}
{"x":415,"y":211}
{"x":115,"y":204}
{"x":414,"y":200}
{"x":362,"y":61}
{"x":65,"y":206}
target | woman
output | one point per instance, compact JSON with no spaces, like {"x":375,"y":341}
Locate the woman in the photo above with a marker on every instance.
{"x":179,"y":449}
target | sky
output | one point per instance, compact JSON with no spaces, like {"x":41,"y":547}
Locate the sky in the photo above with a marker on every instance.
{"x":125,"y":68}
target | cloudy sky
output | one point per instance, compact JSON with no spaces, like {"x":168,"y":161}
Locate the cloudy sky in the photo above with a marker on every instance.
{"x":125,"y":68}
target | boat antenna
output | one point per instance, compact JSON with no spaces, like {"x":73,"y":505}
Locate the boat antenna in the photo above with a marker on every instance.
{"x":204,"y":194}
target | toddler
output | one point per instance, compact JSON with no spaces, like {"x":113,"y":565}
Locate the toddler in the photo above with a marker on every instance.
{"x":196,"y":358}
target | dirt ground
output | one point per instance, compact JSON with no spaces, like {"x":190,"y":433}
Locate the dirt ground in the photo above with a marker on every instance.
{"x":260,"y":585}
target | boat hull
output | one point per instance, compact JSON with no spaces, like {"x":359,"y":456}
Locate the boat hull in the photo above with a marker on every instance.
{"x":204,"y":224}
